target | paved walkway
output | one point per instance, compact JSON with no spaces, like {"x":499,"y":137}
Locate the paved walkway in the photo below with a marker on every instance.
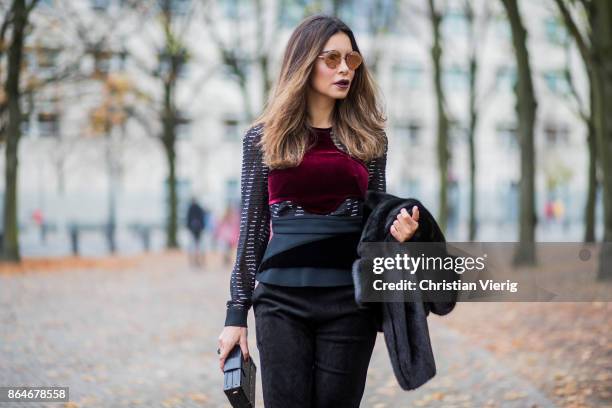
{"x":146,"y":337}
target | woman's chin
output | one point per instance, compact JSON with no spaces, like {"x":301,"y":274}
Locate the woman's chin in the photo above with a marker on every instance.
{"x":339,"y":94}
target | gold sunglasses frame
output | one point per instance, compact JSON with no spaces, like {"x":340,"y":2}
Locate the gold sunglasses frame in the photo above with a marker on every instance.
{"x":333,"y":64}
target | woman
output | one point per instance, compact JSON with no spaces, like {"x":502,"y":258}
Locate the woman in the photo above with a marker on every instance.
{"x":307,"y":163}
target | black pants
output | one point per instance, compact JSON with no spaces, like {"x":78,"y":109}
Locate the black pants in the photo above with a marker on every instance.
{"x":314,"y":345}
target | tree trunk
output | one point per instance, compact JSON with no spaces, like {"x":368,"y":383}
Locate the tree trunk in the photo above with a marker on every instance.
{"x":176,"y":53}
{"x":111,"y":222}
{"x":589,"y":210}
{"x":473,"y":118}
{"x":169,"y":141}
{"x":526,"y":112}
{"x":10,"y":239}
{"x":597,"y":57}
{"x":171,"y":228}
{"x":442,"y":125}
{"x":601,"y":18}
{"x":472,"y":147}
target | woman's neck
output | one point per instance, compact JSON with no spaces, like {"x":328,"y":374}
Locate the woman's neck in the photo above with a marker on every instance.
{"x":320,"y":109}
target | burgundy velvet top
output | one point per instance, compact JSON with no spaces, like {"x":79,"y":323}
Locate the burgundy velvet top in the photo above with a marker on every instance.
{"x":323,"y":180}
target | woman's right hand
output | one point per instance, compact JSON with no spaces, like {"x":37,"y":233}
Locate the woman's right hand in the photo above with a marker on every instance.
{"x":228,"y":339}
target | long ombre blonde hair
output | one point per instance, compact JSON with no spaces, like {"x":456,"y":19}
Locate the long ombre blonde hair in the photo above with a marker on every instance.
{"x":357,"y":120}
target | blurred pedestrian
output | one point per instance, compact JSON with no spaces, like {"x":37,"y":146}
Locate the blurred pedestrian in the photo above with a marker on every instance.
{"x":549,"y":212}
{"x":196,"y":222}
{"x":39,"y":220}
{"x":227,"y":232}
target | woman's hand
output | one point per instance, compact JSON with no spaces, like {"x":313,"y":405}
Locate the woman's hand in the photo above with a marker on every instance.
{"x":228,"y":339}
{"x":405,"y":226}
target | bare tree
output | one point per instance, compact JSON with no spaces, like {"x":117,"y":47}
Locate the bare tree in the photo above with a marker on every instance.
{"x":584,"y":111}
{"x":595,"y":51}
{"x":108,"y":120}
{"x":442,"y":115}
{"x":247,"y":46}
{"x":526,"y":107}
{"x":18,"y":19}
{"x":172,"y":56}
{"x":477,"y":24}
{"x":7,"y":11}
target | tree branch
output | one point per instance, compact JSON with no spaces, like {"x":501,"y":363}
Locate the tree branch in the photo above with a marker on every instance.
{"x":581,"y":42}
{"x":31,"y":7}
{"x":8,"y":19}
{"x":581,"y":110}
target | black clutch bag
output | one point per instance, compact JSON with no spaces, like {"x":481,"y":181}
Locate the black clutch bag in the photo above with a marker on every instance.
{"x":239,"y":381}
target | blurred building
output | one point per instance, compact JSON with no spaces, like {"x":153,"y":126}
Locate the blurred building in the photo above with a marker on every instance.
{"x":68,"y":156}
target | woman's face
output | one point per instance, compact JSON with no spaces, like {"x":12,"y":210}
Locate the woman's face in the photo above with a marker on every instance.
{"x":323,"y":79}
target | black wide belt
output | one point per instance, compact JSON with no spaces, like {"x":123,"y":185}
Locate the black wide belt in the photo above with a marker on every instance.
{"x":325,"y":245}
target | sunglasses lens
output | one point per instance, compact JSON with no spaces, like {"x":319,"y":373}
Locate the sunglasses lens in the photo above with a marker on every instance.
{"x":332,"y":59}
{"x":353,"y":60}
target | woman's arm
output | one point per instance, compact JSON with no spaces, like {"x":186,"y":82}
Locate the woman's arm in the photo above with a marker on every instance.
{"x":254,"y":228}
{"x":377,"y":172}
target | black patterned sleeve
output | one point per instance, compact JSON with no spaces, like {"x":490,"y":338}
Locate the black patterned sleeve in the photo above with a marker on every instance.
{"x":377,"y":172}
{"x":254,"y":228}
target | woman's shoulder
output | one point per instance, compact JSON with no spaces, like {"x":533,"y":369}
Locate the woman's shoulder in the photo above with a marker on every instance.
{"x":254,"y":133}
{"x":252,"y":143}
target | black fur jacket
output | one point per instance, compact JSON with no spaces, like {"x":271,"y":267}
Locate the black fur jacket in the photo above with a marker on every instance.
{"x":404,"y":324}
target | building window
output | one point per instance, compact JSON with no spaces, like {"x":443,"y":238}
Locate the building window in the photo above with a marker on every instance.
{"x":409,"y":186}
{"x":346,"y":12}
{"x":118,"y":61}
{"x":556,"y":135}
{"x":502,"y":27}
{"x":508,"y":193}
{"x":232,"y":191}
{"x":555,"y":31}
{"x":100,"y":5}
{"x":458,"y":133}
{"x":102,"y":62}
{"x":410,"y":132}
{"x":231,"y":9}
{"x":183,"y":126}
{"x":183,"y":71}
{"x":25,"y":125}
{"x":456,"y":78}
{"x":505,"y":78}
{"x":363,"y":15}
{"x":454,"y":23}
{"x":413,"y":187}
{"x":47,"y":58}
{"x":414,"y":133}
{"x":165,"y":60}
{"x":48,"y":124}
{"x":43,"y":61}
{"x":234,"y":66}
{"x":183,"y":188}
{"x":556,"y":81}
{"x":290,"y":13}
{"x":507,"y":135}
{"x":407,"y":75}
{"x":180,"y":7}
{"x":231,"y":129}
{"x":107,"y":61}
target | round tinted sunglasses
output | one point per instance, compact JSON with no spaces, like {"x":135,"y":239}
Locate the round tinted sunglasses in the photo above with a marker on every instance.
{"x":333,"y":58}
